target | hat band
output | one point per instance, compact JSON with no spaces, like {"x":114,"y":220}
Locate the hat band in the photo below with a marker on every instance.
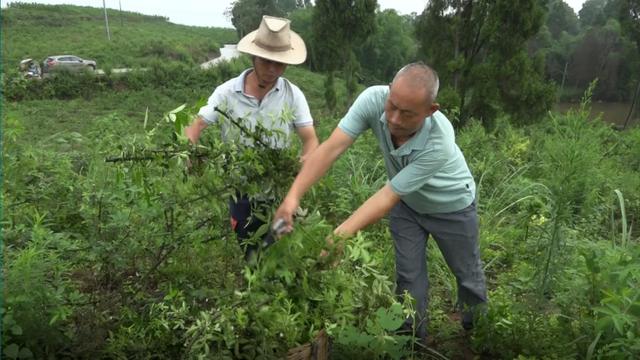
{"x":271,"y":47}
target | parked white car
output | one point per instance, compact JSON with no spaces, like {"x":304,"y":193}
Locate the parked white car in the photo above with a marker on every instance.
{"x":69,"y":62}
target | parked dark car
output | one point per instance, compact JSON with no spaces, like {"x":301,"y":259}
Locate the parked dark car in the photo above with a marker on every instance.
{"x":68,"y":62}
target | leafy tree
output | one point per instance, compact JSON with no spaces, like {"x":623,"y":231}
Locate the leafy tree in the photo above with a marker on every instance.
{"x":558,"y":58}
{"x":330,"y":91}
{"x":301,"y":24}
{"x":592,"y":13}
{"x":630,"y":20}
{"x":600,"y":55}
{"x":480,"y":48}
{"x":557,"y":40}
{"x":608,"y":50}
{"x":629,"y":11}
{"x":390,"y":47}
{"x":247,"y":14}
{"x":561,"y":17}
{"x":338,"y":26}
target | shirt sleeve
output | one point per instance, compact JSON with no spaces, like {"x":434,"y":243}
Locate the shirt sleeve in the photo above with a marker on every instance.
{"x":208,"y":112}
{"x":301,"y":112}
{"x":368,"y":107}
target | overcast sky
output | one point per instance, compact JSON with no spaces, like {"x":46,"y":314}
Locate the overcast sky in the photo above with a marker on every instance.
{"x":211,"y":12}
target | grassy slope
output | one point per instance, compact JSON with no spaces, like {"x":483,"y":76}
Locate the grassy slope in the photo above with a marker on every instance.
{"x":47,"y":117}
{"x":37,"y":31}
{"x":135,"y":42}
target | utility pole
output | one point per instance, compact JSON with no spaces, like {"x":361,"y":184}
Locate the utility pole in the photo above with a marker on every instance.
{"x":106,"y":20}
{"x":121,"y":21}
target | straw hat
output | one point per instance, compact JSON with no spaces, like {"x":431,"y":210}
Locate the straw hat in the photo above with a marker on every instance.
{"x":275,"y":41}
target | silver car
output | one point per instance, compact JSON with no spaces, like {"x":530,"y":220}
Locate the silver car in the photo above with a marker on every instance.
{"x":69,"y":62}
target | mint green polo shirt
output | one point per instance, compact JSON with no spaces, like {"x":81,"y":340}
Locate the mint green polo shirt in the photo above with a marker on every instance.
{"x":428,"y":172}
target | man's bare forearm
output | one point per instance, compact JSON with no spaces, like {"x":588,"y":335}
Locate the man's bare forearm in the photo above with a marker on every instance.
{"x":309,"y":146}
{"x":309,"y":141}
{"x":372,"y":210}
{"x":318,"y":163}
{"x":194,"y":130}
{"x":314,"y":167}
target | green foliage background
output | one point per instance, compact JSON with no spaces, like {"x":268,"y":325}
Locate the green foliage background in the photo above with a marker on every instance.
{"x":135,"y":259}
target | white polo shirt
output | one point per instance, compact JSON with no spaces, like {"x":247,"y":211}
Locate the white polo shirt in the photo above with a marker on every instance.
{"x":280,"y":111}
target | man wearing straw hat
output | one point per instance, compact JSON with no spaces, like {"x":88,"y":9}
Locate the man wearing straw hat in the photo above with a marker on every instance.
{"x":430,"y":189}
{"x":261,"y":95}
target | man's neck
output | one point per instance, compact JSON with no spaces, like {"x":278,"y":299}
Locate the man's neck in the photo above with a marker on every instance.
{"x":253,"y":87}
{"x":399,"y":141}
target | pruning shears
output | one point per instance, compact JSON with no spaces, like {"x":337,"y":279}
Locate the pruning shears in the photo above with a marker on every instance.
{"x":279,"y":228}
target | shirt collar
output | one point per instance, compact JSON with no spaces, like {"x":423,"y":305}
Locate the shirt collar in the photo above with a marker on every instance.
{"x":238,"y":85}
{"x":417,"y":142}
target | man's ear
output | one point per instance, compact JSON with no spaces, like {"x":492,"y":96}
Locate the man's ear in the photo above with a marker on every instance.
{"x":433,"y":108}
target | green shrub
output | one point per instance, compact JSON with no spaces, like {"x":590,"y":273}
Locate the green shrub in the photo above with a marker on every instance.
{"x":67,"y":85}
{"x":40,"y":300}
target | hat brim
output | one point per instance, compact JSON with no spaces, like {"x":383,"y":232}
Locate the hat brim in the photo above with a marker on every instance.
{"x":294,"y":56}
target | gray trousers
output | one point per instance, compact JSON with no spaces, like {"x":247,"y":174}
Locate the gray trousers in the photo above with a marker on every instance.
{"x":456,"y":234}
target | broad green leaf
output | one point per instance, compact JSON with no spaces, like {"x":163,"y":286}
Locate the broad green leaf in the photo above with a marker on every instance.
{"x":603,"y":324}
{"x":390,"y":319}
{"x":353,"y":337}
{"x":25,"y":353}
{"x":634,"y":309}
{"x":617,"y":323}
{"x":604,"y":310}
{"x":12,"y":351}
{"x":16,"y":330}
{"x":262,"y":230}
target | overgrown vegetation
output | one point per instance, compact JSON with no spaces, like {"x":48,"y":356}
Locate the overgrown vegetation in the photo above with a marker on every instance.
{"x":134,"y":258}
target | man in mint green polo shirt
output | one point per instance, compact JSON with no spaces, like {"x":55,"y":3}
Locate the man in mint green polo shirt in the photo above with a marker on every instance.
{"x":431,"y":190}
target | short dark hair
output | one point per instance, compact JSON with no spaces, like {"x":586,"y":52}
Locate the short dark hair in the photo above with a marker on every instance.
{"x":422,"y":75}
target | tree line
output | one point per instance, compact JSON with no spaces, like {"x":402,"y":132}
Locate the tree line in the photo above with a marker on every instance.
{"x":493,"y":56}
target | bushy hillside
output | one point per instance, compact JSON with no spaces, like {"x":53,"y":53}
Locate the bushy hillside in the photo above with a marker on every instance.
{"x":38,"y":31}
{"x":117,"y":243}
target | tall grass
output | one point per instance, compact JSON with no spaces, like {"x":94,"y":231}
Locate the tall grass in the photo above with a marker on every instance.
{"x":625,"y":235}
